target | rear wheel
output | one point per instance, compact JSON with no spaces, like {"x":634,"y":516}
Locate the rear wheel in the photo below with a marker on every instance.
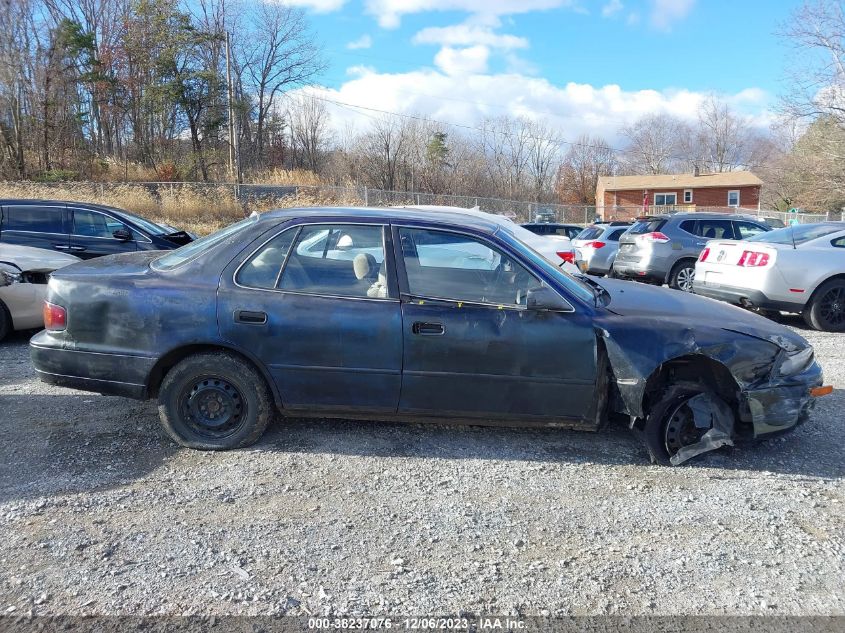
{"x":682,"y":275}
{"x":670,"y":425}
{"x":214,"y":401}
{"x":5,"y":321}
{"x":826,"y":310}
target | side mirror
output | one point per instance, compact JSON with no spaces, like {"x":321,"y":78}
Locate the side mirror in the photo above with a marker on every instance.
{"x":544,"y":298}
{"x":122,"y":234}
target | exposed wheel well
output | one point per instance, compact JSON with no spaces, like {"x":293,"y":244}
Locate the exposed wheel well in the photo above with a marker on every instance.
{"x":169,"y":360}
{"x":692,"y":368}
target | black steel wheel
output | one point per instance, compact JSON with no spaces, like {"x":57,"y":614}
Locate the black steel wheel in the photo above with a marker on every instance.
{"x":826,"y":310}
{"x":212,"y":406}
{"x":215,"y":401}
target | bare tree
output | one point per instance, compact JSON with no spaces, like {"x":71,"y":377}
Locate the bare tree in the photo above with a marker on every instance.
{"x":653,"y":144}
{"x":383,"y":151}
{"x":309,"y":130}
{"x":724,"y":138}
{"x":587,"y":159}
{"x":278,"y":53}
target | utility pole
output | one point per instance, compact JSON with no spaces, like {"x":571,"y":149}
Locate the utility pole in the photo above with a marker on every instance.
{"x":231,"y":109}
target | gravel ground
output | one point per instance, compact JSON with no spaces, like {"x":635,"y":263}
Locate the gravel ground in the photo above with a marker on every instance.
{"x":102,"y":515}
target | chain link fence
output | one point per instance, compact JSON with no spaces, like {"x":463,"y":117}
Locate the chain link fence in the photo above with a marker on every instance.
{"x":229,"y":200}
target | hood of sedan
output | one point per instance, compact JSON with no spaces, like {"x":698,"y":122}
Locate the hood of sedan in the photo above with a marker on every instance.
{"x":634,"y":299}
{"x":28,"y":258}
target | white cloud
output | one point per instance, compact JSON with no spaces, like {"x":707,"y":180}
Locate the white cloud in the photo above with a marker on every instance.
{"x":389,"y":12}
{"x":462,"y":61}
{"x":468,"y":34}
{"x":460,"y":96}
{"x":365,"y":41}
{"x":665,"y":13}
{"x":612,"y":8}
{"x":320,"y":6}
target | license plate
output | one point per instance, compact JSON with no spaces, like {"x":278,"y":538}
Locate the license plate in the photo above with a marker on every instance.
{"x":712,"y":278}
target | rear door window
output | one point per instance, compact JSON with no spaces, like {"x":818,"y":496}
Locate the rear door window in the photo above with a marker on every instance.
{"x":839,"y":242}
{"x":590,"y":233}
{"x":265,"y":266}
{"x":34,"y":219}
{"x":615,"y":235}
{"x":688,"y":226}
{"x":715,"y":229}
{"x":338,"y":260}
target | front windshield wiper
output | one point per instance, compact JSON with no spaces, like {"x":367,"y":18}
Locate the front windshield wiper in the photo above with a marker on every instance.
{"x":597,"y":289}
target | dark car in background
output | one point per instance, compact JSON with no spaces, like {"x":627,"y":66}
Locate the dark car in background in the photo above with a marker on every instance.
{"x":412,"y":315}
{"x":663,"y":249}
{"x":83,"y":229}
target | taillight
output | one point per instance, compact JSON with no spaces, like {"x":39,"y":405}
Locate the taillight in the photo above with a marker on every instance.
{"x":753,"y":258}
{"x":595,"y":244}
{"x":567,"y":256}
{"x":655,"y":236}
{"x":704,"y":254}
{"x":55,"y":317}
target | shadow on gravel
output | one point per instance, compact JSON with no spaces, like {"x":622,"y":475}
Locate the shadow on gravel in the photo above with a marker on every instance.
{"x":58,"y":444}
{"x":812,"y":450}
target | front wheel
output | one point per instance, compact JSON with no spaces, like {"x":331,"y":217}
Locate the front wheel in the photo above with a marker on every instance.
{"x":682,"y":275}
{"x":677,"y":424}
{"x":214,"y":401}
{"x":826,"y":310}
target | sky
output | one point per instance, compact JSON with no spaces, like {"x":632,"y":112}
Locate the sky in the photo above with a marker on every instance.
{"x":583,"y":66}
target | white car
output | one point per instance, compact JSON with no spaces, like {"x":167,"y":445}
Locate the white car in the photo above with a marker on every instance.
{"x":557,"y":250}
{"x":797,"y":269}
{"x":24,"y":272}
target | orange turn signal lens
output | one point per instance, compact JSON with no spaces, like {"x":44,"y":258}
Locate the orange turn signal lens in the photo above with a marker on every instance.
{"x":821,"y":391}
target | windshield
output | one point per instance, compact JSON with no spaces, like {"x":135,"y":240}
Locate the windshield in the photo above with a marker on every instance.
{"x":196,"y":248}
{"x":519,"y":236}
{"x":797,"y":234}
{"x":146,"y":225}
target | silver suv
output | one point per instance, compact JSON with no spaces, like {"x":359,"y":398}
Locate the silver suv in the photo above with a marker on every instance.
{"x":664,"y":248}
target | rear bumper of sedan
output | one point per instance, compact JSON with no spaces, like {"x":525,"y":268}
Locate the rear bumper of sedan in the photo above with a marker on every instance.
{"x":782,"y":406}
{"x":745,"y":297}
{"x":109,"y":374}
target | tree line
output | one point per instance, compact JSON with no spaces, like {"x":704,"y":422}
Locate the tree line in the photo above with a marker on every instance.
{"x":112,"y":89}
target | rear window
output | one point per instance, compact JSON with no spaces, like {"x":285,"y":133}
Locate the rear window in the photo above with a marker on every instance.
{"x":641,"y":227}
{"x":688,"y":226}
{"x":196,"y":248}
{"x":797,"y":234}
{"x":615,"y":235}
{"x":590,"y":233}
{"x":33,"y":219}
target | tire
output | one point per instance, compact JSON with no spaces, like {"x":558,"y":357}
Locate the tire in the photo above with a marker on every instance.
{"x":663,"y":440}
{"x":826,"y":309}
{"x":214,"y":401}
{"x":682,"y":275}
{"x":5,"y":321}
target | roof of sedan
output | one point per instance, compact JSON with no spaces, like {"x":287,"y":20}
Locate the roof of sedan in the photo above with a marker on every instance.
{"x":444,"y":215}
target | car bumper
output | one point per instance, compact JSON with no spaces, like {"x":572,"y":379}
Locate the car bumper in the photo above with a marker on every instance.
{"x":746,"y":297}
{"x":639,"y":266}
{"x":109,"y":374}
{"x":779,"y":407}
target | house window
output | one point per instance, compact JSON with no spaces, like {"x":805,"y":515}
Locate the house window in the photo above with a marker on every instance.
{"x":665,"y":199}
{"x":733,"y":198}
{"x":687,"y":196}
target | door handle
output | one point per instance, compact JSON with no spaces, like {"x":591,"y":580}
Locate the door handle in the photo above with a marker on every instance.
{"x":251,"y":318}
{"x":77,"y":248}
{"x":61,"y":247}
{"x":428,"y":329}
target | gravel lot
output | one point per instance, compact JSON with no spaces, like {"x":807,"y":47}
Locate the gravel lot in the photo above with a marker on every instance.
{"x":102,"y":515}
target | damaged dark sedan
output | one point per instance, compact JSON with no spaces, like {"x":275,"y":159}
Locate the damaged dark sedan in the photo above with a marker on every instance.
{"x":413,"y":315}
